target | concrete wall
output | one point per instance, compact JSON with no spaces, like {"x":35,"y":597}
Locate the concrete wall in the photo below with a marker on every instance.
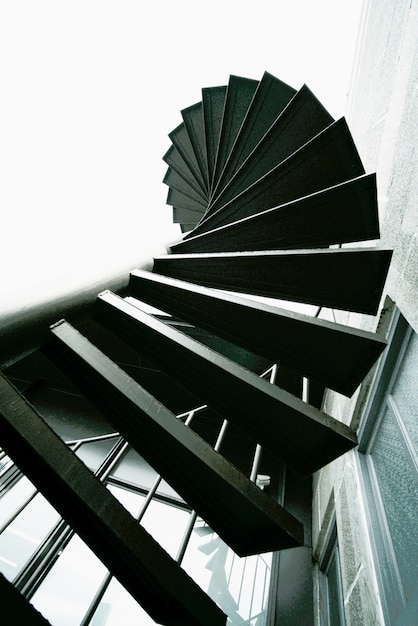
{"x":382,"y":115}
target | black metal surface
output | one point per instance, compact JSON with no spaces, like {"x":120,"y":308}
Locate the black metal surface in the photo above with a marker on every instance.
{"x":152,"y":577}
{"x":186,"y":216}
{"x":179,"y":199}
{"x":239,"y":94}
{"x":235,"y":508}
{"x":174,"y":180}
{"x":303,"y":118}
{"x":181,"y":140}
{"x":349,"y":278}
{"x":193,"y":120}
{"x":15,"y":609}
{"x":334,"y":355}
{"x":345,"y":213}
{"x":328,"y":159}
{"x":271,"y":97}
{"x":300,"y":435}
{"x":213,"y":99}
{"x":174,"y":159}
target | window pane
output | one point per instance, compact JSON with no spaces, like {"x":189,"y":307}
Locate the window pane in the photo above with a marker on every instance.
{"x":166,"y":524}
{"x":24,"y":534}
{"x":93,"y":454}
{"x":334,"y":591}
{"x":14,"y":498}
{"x":118,"y":608}
{"x":70,"y":586}
{"x":405,"y":391}
{"x":238,"y":584}
{"x":399,"y":490}
{"x":131,"y":501}
{"x":135,"y":470}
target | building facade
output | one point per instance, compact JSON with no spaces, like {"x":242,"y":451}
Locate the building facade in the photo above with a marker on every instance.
{"x":365,"y":504}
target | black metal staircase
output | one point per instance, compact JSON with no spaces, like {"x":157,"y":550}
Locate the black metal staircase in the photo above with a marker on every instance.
{"x":263,"y":182}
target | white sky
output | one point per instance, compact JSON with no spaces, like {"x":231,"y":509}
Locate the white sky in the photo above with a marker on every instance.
{"x":90,"y":91}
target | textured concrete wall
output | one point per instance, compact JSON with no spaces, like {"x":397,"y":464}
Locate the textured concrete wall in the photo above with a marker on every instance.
{"x":382,"y":115}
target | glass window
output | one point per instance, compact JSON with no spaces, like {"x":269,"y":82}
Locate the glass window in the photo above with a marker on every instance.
{"x":238,"y":584}
{"x":13,"y":499}
{"x":117,"y":607}
{"x":68,"y":589}
{"x":94,"y":453}
{"x":331,"y":603}
{"x":134,"y":470}
{"x":22,"y":537}
{"x":389,"y":461}
{"x":397,"y":482}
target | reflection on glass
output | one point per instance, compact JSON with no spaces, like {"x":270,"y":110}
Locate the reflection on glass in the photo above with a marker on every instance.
{"x":135,"y":470}
{"x":118,"y":607}
{"x":164,"y":522}
{"x":20,"y":539}
{"x":68,"y":589}
{"x":93,"y":454}
{"x":399,"y":488}
{"x":131,"y":501}
{"x":14,"y":498}
{"x":238,"y":585}
{"x":405,"y":391}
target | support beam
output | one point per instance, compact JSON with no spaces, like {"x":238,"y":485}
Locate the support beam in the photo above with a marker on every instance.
{"x":350,"y":279}
{"x":341,"y":214}
{"x":303,"y":437}
{"x":248,"y":520}
{"x":15,"y":609}
{"x":334,"y":355}
{"x":150,"y":575}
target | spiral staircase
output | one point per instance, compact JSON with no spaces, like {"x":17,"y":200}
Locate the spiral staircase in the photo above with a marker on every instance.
{"x":267,"y":189}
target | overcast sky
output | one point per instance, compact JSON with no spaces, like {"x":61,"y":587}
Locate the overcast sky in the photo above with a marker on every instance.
{"x":90,"y":91}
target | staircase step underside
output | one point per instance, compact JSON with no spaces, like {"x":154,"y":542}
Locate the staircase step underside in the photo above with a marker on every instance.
{"x":345,"y":213}
{"x":186,"y":216}
{"x":174,"y":180}
{"x":350,"y":279}
{"x":181,"y":140}
{"x":302,"y":119}
{"x":300,"y":435}
{"x":270,"y":99}
{"x":148,"y":573}
{"x":239,"y":94}
{"x":328,"y":159}
{"x":213,"y":99}
{"x":193,"y":120}
{"x":334,"y":355}
{"x":176,"y":198}
{"x":174,"y":160}
{"x":245,"y":517}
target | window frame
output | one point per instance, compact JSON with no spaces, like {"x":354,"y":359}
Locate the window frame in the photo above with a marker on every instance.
{"x":330,"y":552}
{"x":393,"y":601}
